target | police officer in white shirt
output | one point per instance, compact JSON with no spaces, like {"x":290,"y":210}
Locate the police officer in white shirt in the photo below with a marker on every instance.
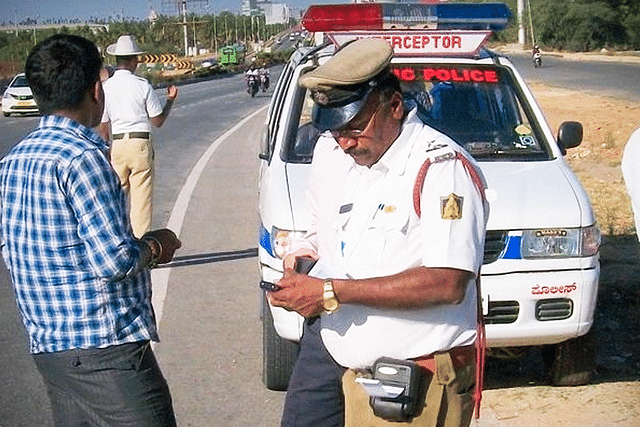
{"x":131,"y":108}
{"x":398,"y":221}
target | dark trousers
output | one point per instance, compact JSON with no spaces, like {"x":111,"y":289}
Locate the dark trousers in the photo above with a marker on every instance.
{"x":314,"y":396}
{"x":115,"y":386}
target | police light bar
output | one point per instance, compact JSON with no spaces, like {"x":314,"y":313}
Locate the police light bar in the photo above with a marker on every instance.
{"x":379,"y":16}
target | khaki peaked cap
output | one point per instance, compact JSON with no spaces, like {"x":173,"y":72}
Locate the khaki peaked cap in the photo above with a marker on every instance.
{"x":355,"y":63}
{"x":341,"y":86}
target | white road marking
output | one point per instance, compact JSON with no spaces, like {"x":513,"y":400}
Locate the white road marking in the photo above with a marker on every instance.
{"x":160,"y":276}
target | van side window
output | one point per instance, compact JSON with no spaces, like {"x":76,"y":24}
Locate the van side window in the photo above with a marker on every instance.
{"x":268,"y":137}
{"x":302,"y":134}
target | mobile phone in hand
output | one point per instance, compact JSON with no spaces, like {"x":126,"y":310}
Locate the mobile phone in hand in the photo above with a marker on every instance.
{"x":268,"y":286}
{"x":304,"y":264}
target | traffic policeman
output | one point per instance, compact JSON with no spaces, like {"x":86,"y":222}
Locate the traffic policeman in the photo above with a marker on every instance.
{"x":398,"y":224}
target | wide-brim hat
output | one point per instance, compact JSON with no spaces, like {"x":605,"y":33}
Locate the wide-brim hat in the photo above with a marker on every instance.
{"x":126,"y":46}
{"x":342,"y":85}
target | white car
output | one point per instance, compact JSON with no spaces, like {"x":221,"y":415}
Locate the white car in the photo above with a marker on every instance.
{"x":18,"y":98}
{"x":541,"y":266}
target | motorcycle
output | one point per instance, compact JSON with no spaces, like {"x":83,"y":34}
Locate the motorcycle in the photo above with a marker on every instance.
{"x":537,"y":59}
{"x":264,"y":82}
{"x":252,"y":85}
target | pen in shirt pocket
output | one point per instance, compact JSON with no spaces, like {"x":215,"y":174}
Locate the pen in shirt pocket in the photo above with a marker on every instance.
{"x":378,"y":209}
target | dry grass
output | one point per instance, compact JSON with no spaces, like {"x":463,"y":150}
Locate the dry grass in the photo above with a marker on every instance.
{"x":608,"y":124}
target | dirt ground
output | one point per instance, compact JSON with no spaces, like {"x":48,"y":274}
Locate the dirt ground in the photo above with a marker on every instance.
{"x":516,"y":392}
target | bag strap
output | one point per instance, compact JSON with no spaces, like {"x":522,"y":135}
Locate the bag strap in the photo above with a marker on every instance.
{"x":481,"y":343}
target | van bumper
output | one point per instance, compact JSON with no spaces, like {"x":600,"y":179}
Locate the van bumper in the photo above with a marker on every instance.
{"x":538,"y":308}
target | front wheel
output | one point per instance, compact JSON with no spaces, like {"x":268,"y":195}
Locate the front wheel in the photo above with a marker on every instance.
{"x":571,"y":363}
{"x":278,"y":354}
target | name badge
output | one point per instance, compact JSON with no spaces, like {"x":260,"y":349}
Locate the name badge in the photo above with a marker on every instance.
{"x":346,"y":208}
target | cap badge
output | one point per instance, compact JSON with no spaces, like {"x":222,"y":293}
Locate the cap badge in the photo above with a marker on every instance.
{"x":320,"y":98}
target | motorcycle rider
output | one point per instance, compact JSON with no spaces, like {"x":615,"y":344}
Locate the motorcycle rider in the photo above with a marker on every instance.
{"x":263,"y":73}
{"x":252,"y":77}
{"x":536,"y":56}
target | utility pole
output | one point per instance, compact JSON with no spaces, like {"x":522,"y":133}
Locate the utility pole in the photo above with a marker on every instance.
{"x":215,"y":34}
{"x":226,"y":31}
{"x":184,"y":23}
{"x":533,"y":35}
{"x":521,"y":36}
{"x":195,"y":44}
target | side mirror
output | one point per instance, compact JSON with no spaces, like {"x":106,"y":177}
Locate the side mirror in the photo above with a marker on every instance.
{"x":569,"y":136}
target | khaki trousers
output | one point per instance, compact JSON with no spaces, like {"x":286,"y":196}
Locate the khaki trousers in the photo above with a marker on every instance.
{"x":132,"y":159}
{"x":448,"y":400}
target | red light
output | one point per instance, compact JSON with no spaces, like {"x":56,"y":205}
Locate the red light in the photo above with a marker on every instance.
{"x":359,"y":16}
{"x":405,"y":74}
{"x":446,"y":74}
{"x":410,"y":15}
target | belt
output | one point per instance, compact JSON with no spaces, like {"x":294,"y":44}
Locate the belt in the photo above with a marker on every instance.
{"x":139,"y":135}
{"x":460,"y":356}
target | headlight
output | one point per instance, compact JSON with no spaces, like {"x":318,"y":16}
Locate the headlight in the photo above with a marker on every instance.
{"x":282,"y":240}
{"x":560,"y":242}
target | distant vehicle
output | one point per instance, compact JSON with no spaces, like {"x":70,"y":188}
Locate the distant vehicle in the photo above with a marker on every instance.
{"x":537,"y":60}
{"x":231,"y":55}
{"x":536,"y":57}
{"x":18,"y":98}
{"x":209,"y":62}
{"x":253,"y":85}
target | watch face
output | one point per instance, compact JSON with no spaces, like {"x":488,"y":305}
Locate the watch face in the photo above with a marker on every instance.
{"x":330,"y":304}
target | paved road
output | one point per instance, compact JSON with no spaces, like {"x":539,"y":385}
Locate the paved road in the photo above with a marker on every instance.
{"x":610,"y":78}
{"x":212,"y":348}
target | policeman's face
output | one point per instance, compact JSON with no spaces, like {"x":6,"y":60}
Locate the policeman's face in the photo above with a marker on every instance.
{"x":370,"y":134}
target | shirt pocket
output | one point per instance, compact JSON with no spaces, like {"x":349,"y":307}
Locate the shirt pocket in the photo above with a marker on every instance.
{"x":387,"y":234}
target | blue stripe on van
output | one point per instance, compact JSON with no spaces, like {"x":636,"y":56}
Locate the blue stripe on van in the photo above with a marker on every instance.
{"x":265,"y":240}
{"x":513,"y":248}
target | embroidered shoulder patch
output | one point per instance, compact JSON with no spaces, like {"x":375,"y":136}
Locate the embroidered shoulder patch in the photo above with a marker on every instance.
{"x":451,"y":207}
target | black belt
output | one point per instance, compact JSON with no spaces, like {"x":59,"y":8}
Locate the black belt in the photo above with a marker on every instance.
{"x":140,"y":135}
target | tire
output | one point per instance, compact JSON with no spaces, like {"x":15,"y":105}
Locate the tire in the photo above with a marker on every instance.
{"x":571,"y":363}
{"x":278,"y":354}
{"x":6,"y":114}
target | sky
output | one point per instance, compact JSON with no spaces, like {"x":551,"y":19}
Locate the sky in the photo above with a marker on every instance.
{"x":44,"y":10}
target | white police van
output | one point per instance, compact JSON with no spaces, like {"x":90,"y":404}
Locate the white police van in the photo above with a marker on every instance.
{"x":541,"y":264}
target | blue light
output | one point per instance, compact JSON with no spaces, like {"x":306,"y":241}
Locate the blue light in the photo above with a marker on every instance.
{"x":473,"y":16}
{"x":448,"y":16}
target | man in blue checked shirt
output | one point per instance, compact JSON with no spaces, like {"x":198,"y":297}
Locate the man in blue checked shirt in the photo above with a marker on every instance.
{"x":81,"y":279}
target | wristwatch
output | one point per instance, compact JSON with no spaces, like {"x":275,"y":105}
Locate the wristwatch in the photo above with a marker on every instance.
{"x":329,"y":300}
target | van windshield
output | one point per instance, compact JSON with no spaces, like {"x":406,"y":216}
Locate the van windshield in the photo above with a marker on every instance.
{"x":476,"y":106}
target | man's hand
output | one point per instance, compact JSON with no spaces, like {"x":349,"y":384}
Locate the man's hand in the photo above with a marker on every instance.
{"x":289,"y":260}
{"x":168,"y":242}
{"x":172,"y":92}
{"x":299,"y":293}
